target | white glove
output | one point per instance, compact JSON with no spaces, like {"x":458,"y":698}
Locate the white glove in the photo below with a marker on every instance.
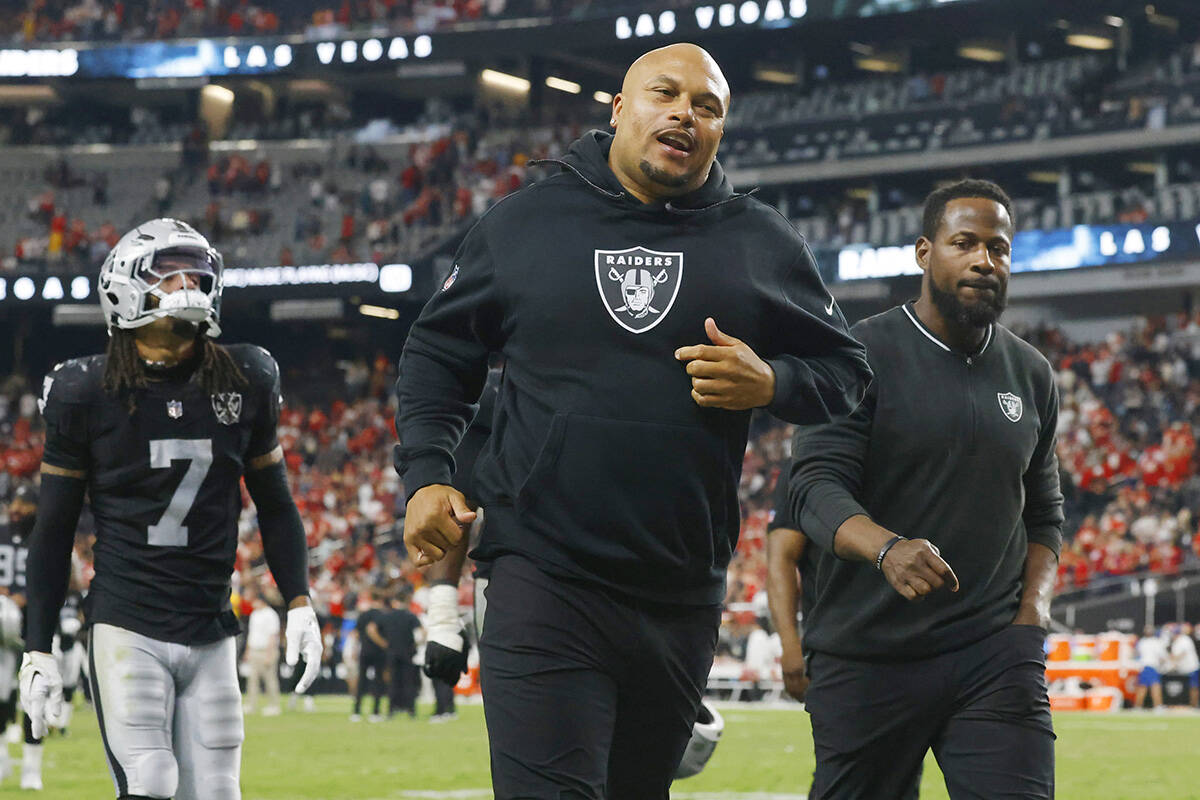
{"x":303,"y":635}
{"x":42,"y":692}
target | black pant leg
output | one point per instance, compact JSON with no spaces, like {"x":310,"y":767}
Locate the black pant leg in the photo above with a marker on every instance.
{"x":872,"y":725}
{"x":443,"y":694}
{"x":667,"y":668}
{"x":999,"y":742}
{"x":412,"y":686}
{"x":548,"y":698}
{"x":396,"y":692}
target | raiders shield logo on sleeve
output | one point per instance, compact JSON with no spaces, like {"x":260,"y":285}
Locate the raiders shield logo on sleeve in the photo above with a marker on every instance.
{"x":638,"y":286}
{"x":228,"y":407}
{"x":1011,"y":405}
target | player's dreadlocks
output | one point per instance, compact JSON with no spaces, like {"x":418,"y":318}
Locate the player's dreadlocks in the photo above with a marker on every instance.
{"x":124,"y":372}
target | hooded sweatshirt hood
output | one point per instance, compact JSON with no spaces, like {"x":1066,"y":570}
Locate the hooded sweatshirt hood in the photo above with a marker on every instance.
{"x":587,"y":157}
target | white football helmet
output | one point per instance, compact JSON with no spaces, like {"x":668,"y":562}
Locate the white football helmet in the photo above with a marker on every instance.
{"x":148,"y":256}
{"x":705,"y":735}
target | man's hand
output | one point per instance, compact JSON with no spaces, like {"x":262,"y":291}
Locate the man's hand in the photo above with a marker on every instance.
{"x":434,"y":522}
{"x":42,"y":692}
{"x":727,"y":373}
{"x":303,"y":635}
{"x":795,"y":672}
{"x":445,"y":648}
{"x":915,"y":568}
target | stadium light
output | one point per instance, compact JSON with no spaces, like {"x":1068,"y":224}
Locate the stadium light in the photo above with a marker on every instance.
{"x":502,"y":80}
{"x":879,"y":63}
{"x":378,"y":311}
{"x":372,"y":49}
{"x":602,"y":97}
{"x":218,"y":94}
{"x":772,"y":75}
{"x":1116,"y":22}
{"x":395,"y":277}
{"x":1090,"y":41}
{"x":563,"y":85}
{"x":988,"y":52}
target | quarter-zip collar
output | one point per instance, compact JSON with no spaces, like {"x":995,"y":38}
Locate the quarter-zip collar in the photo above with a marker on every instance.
{"x":928,"y":334}
{"x":587,"y":158}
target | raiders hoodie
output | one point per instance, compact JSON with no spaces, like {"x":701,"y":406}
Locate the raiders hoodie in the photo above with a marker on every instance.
{"x":600,"y":466}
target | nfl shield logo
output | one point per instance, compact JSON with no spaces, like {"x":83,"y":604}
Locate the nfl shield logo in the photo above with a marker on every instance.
{"x":227,"y":406}
{"x":174,"y":409}
{"x":1011,"y":405}
{"x":638,"y":286}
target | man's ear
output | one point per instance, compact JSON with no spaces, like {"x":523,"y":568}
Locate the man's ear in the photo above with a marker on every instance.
{"x":617,"y":102}
{"x":923,"y":248}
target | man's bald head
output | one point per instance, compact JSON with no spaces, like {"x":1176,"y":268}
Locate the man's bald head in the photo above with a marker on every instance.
{"x":685,"y":54}
{"x":669,"y":119}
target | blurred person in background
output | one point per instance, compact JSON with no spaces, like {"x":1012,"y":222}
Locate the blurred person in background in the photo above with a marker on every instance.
{"x":401,"y":628}
{"x":262,"y":654}
{"x":1185,"y":660}
{"x":372,"y":657}
{"x":1152,"y":655}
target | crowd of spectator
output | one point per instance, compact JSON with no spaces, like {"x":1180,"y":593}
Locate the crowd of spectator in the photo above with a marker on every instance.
{"x":136,"y":20}
{"x":354,"y":203}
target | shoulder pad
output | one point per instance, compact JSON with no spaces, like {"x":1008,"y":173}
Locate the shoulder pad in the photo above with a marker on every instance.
{"x":256,"y":363}
{"x":77,"y":380}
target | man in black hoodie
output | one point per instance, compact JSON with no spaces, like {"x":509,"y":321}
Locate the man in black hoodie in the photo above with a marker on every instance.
{"x":941,"y":487}
{"x":610,"y":477}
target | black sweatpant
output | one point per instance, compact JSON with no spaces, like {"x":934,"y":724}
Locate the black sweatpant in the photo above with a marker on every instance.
{"x":405,"y":685}
{"x":588,"y":694}
{"x":370,"y":679}
{"x":443,"y":694}
{"x":983,"y":709}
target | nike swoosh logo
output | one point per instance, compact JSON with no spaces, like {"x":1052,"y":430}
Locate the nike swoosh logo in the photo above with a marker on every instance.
{"x":829,"y":308}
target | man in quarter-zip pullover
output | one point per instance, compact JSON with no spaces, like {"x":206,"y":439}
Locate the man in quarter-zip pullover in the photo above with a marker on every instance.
{"x":643,"y":310}
{"x":953,"y":448}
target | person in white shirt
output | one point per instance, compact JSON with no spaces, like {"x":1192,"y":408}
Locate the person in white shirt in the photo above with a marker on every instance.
{"x":1185,"y":660}
{"x":1152,"y":653}
{"x":262,"y":655}
{"x":763,"y":651}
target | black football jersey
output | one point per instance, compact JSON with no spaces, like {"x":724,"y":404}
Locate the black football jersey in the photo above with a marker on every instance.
{"x":13,"y":552}
{"x":163,"y":483}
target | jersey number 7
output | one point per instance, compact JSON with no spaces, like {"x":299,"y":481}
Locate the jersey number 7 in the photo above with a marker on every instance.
{"x":170,"y":531}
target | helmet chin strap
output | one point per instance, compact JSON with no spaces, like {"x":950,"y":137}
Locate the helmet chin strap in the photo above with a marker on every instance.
{"x":167,"y":341}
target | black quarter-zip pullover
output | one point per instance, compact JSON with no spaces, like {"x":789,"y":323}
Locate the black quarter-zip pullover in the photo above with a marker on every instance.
{"x":954,"y":448}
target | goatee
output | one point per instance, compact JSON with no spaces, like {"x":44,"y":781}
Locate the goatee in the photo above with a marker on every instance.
{"x":983,"y":312}
{"x":662,"y":177}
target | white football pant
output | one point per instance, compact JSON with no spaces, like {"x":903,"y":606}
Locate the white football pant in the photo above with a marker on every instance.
{"x":170,"y":714}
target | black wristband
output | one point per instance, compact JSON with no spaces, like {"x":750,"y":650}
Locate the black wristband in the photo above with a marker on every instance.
{"x":883,"y":551}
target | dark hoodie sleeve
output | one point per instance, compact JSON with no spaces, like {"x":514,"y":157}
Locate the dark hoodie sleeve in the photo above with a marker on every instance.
{"x":821,"y":371}
{"x":444,"y":365}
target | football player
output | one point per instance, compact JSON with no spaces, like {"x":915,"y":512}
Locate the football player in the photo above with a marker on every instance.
{"x":159,"y":431}
{"x":14,"y":544}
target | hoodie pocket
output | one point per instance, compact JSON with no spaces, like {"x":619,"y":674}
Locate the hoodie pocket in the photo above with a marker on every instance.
{"x":634,"y":502}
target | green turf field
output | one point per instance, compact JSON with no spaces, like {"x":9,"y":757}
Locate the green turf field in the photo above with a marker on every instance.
{"x":765,"y":755}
